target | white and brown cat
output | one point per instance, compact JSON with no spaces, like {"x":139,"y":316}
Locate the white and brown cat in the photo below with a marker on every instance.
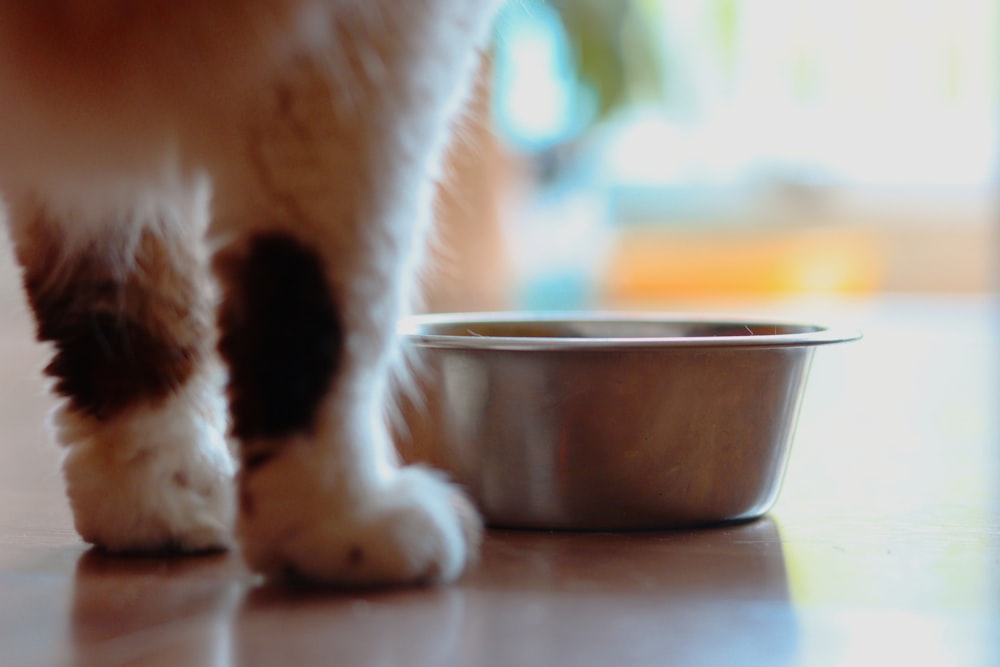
{"x":286,"y":148}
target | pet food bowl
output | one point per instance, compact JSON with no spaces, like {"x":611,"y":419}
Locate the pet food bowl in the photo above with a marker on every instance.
{"x":608,"y":422}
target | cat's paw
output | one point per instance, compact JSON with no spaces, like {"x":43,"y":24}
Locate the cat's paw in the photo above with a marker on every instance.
{"x":414,"y":529}
{"x":152,"y":482}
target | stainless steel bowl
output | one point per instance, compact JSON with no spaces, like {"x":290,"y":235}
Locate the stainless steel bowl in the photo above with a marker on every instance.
{"x":609,"y":422}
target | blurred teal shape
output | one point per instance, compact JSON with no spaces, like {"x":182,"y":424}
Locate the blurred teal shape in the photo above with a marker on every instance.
{"x":563,"y":66}
{"x":536,"y":103}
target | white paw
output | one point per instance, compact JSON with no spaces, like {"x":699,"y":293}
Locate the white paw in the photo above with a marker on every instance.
{"x":152,"y":480}
{"x":414,"y":528}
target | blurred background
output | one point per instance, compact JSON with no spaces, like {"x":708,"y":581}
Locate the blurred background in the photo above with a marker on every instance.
{"x":834,"y":162}
{"x":653,"y":152}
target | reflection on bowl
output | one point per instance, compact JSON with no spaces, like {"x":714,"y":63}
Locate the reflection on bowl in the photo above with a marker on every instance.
{"x":609,"y":422}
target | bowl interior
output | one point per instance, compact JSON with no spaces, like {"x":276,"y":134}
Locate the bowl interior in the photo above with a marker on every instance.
{"x":512,"y":331}
{"x":611,"y":329}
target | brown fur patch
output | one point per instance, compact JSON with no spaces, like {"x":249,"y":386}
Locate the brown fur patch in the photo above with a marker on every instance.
{"x":122,"y":337}
{"x":280,"y":334}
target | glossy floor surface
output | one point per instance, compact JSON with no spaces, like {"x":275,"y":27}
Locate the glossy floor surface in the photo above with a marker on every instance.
{"x":883,"y":549}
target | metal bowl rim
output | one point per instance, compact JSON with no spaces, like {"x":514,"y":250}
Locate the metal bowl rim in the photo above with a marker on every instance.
{"x":410,"y":329}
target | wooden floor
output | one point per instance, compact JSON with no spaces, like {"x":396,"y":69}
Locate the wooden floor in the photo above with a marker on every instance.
{"x":884,"y":548}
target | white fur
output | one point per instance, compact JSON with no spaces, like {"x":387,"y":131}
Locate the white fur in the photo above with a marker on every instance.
{"x":404,"y":528}
{"x":153,"y":478}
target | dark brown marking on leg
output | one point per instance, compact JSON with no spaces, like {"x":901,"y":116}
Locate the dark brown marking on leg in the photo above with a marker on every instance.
{"x":181,"y":480}
{"x":122,"y":337}
{"x":104,"y":364}
{"x":281,"y":335}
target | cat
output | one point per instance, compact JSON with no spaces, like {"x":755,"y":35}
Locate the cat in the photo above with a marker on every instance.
{"x":218,"y":209}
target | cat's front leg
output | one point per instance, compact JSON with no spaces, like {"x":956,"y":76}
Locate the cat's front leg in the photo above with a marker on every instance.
{"x":320,"y":496}
{"x":122,"y":296}
{"x":319,"y":210}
